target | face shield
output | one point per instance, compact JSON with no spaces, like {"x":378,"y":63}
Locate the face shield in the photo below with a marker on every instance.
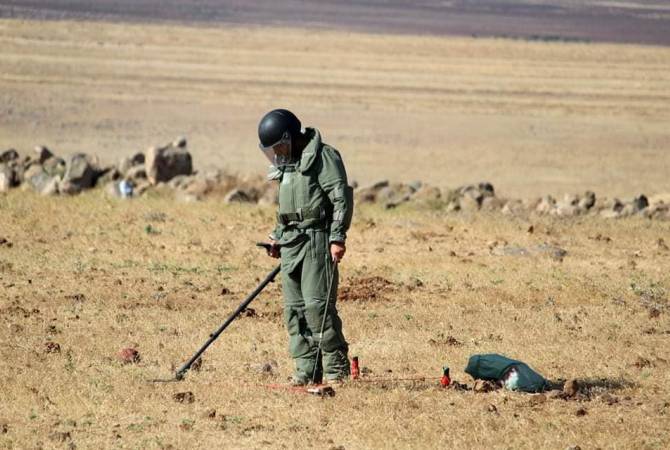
{"x":279,"y":153}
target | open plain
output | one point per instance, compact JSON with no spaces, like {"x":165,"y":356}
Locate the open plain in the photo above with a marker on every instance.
{"x":83,"y":277}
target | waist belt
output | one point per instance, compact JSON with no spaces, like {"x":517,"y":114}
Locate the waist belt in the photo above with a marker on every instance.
{"x":302,"y":215}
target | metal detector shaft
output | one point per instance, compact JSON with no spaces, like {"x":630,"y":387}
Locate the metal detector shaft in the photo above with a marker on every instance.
{"x":271,"y":276}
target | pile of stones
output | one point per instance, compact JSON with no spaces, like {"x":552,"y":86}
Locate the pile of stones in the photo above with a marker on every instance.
{"x":163,"y":168}
{"x":482,"y":197}
{"x":169,"y":168}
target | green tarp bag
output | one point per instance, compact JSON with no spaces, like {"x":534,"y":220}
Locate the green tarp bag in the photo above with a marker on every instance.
{"x":494,"y":367}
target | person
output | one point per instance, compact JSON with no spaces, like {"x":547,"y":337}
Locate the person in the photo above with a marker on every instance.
{"x":315,"y":210}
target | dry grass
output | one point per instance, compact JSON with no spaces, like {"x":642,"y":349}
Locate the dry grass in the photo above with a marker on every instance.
{"x":96,"y":275}
{"x":531,"y":117}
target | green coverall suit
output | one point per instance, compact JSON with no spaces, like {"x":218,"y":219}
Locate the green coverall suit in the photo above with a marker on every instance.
{"x":314,"y":210}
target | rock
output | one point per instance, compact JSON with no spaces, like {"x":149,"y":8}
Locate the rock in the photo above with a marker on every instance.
{"x":640,"y":203}
{"x":42,"y":153}
{"x":546,"y":205}
{"x":51,"y":187}
{"x":4,"y":428}
{"x":491,"y":204}
{"x":165,"y":163}
{"x":80,"y":174}
{"x":510,"y":250}
{"x":571,"y":388}
{"x":513,"y":208}
{"x":136,"y":173}
{"x":270,"y":196}
{"x":40,"y":181}
{"x":180,"y":142}
{"x":368,"y":194}
{"x":581,"y":412}
{"x":237,"y":196}
{"x":129,"y":356}
{"x":9,"y":156}
{"x":587,"y":201}
{"x":6,"y":178}
{"x":427,"y":195}
{"x":415,"y":185}
{"x":394,"y":194}
{"x":265,"y":368}
{"x":469,"y":203}
{"x":54,"y":166}
{"x":555,"y":253}
{"x":199,"y":187}
{"x":180,"y":181}
{"x":128,"y":163}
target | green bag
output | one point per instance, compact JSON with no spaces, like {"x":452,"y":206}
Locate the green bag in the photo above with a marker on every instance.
{"x":494,"y":367}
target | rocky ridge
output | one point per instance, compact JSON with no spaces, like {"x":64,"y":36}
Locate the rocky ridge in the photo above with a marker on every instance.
{"x":170,"y":168}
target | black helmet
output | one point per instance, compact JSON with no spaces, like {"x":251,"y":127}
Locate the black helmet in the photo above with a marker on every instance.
{"x":275,"y":124}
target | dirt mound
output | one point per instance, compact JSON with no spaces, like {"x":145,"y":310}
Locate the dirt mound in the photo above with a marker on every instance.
{"x":366,"y":289}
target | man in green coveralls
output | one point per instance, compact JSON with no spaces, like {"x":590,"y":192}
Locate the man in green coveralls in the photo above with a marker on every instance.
{"x":315,"y":209}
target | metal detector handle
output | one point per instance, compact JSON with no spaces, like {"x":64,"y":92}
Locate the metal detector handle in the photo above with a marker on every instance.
{"x":271,"y":276}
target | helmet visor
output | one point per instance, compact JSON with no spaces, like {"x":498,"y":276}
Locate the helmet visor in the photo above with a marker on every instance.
{"x":279,"y":153}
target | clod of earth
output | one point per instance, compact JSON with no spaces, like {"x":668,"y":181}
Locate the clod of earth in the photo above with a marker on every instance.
{"x":184,"y":397}
{"x":641,"y":363}
{"x":365,"y":289}
{"x":484,"y":386}
{"x":51,"y":347}
{"x":581,"y":412}
{"x":129,"y":356}
{"x":571,"y":388}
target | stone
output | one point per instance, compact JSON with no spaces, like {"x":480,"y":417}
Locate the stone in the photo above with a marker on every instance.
{"x":270,"y":196}
{"x":427,"y":194}
{"x":513,"y":208}
{"x":368,"y":194}
{"x":165,"y":163}
{"x":491,"y":204}
{"x":546,"y":205}
{"x":180,"y":142}
{"x":587,"y":201}
{"x":129,"y":356}
{"x":51,"y":187}
{"x":136,"y":173}
{"x":41,"y":181}
{"x":552,"y":251}
{"x":129,"y":162}
{"x":640,"y":203}
{"x":80,"y":174}
{"x":42,"y":153}
{"x":237,"y":196}
{"x":54,"y":166}
{"x":469,"y":203}
{"x":9,"y":156}
{"x":6,"y":177}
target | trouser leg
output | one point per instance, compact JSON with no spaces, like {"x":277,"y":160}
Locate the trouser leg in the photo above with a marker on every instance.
{"x":317,"y":274}
{"x":302,"y":346}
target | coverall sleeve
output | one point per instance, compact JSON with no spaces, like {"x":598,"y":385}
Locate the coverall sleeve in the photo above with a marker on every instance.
{"x":333,"y":180}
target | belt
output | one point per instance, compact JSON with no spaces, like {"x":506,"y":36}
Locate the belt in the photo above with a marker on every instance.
{"x":302,"y":215}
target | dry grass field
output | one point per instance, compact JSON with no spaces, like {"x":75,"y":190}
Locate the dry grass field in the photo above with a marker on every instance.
{"x":420,"y":289}
{"x":83,"y":277}
{"x":532,"y":118}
